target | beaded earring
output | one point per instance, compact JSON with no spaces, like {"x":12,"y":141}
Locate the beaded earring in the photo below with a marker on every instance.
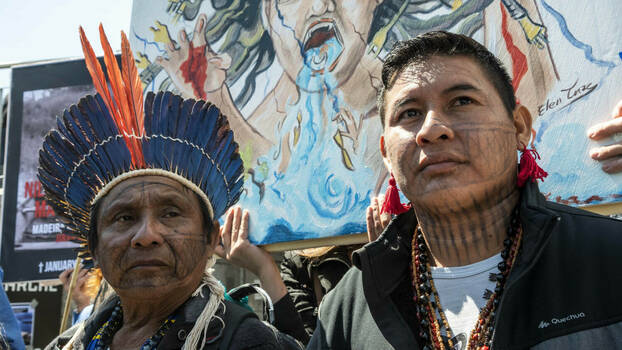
{"x":392,"y":203}
{"x":528,"y":168}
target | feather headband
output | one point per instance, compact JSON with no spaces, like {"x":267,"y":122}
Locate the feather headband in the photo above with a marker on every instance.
{"x":111,"y":136}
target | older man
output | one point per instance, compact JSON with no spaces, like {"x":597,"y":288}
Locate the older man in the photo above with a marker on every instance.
{"x":144,"y":191}
{"x":451,"y":131}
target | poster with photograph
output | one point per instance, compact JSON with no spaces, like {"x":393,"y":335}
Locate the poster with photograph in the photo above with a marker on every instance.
{"x":34,"y":245}
{"x":298,"y":81}
{"x":36,"y":226}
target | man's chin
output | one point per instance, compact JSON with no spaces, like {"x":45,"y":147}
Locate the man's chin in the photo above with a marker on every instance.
{"x":443,"y":193}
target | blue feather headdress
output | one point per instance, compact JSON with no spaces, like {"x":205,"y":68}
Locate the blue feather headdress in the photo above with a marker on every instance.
{"x":112,"y":136}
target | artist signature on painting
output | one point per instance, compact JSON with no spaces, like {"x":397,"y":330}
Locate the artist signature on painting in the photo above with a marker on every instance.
{"x":567,"y":97}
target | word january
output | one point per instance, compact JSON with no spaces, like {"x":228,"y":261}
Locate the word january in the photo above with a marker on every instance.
{"x":569,"y":96}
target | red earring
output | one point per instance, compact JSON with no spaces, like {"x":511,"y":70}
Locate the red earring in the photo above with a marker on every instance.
{"x":392,"y":203}
{"x":528,"y":168}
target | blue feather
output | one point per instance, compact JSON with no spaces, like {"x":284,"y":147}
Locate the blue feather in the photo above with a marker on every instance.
{"x":168,"y":119}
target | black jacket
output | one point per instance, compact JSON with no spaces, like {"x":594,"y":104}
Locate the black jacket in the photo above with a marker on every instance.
{"x":564,"y":291}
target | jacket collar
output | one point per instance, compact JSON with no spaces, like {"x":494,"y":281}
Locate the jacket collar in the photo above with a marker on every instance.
{"x":388,"y":257}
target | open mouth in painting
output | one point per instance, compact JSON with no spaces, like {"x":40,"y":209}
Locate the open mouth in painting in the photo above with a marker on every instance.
{"x":319,"y":32}
{"x":322,"y":45}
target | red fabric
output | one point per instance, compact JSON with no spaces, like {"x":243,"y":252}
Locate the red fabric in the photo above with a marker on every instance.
{"x":194,"y":69}
{"x":528,"y":168}
{"x":392,"y":203}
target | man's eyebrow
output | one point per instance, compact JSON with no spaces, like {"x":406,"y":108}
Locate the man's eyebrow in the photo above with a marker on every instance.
{"x":403,"y":101}
{"x":461,"y":87}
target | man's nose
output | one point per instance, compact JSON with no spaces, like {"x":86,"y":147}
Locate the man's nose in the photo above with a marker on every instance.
{"x":148,"y":234}
{"x":434,"y":129}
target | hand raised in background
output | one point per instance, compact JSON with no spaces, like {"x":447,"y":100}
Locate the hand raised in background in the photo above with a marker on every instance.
{"x":79,"y":295}
{"x":609,"y":156}
{"x":376,"y":222}
{"x":238,"y":250}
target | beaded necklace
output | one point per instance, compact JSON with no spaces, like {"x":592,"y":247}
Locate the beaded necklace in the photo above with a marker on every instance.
{"x":429,"y":311}
{"x":102,"y":339}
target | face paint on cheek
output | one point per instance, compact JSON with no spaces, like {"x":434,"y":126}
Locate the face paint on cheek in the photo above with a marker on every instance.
{"x":188,"y":250}
{"x":491,"y":153}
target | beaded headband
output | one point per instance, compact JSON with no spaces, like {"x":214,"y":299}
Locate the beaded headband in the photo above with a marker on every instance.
{"x":112,"y":136}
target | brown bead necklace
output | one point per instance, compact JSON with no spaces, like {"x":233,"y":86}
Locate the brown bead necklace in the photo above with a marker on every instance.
{"x":431,"y":317}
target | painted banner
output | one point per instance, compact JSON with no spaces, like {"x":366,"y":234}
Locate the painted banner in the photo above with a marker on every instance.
{"x":298,"y":81}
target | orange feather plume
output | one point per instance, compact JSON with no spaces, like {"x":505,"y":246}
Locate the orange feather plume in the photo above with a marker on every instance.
{"x":134,"y":88}
{"x":95,"y":69}
{"x":126,"y":101}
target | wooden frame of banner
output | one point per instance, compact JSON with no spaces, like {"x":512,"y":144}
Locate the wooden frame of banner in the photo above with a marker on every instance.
{"x":605,"y":209}
{"x":355,"y":238}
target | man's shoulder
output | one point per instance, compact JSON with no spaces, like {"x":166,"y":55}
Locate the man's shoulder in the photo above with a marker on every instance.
{"x":579,"y":236}
{"x":353,"y":278}
{"x":580,"y":213}
{"x":346,"y":294}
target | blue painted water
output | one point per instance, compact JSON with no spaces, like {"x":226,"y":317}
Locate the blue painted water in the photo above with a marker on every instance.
{"x":316,"y":195}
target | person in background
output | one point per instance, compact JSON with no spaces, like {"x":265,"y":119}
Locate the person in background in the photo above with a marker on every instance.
{"x":10,"y":333}
{"x":84,"y":291}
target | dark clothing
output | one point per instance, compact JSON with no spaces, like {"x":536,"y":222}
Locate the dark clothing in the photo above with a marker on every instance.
{"x":309,"y":279}
{"x":287,"y":319}
{"x":246,"y":332}
{"x":9,"y":327}
{"x":562,"y":293}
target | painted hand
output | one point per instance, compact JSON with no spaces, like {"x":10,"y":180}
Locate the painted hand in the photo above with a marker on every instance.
{"x":191,"y":64}
{"x":376,"y":222}
{"x":610,"y":156}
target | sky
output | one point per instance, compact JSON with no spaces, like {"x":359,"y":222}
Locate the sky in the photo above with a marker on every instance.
{"x":42,"y":29}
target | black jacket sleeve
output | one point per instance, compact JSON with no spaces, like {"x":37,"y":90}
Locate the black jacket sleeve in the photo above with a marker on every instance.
{"x":288,"y":321}
{"x":300,"y":289}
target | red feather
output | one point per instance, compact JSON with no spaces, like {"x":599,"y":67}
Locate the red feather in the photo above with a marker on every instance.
{"x":133,"y":85}
{"x":124,"y":104}
{"x":116,"y":83}
{"x":95,"y":69}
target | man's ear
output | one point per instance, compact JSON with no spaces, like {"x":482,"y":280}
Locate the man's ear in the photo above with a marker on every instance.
{"x":214,"y":235}
{"x":522,"y":123}
{"x":385,"y":158}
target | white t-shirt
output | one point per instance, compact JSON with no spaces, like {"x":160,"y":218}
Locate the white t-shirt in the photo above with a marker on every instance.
{"x":461,"y":290}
